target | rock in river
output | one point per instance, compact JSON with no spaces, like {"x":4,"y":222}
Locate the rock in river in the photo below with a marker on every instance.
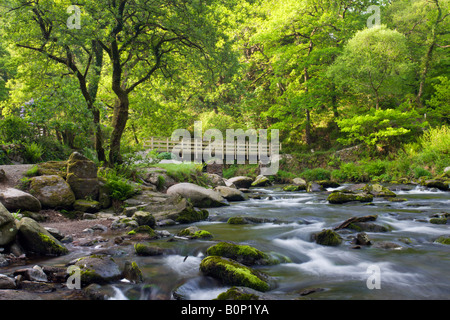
{"x":197,"y":195}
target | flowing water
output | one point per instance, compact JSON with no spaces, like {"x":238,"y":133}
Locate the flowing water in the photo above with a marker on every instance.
{"x":417,"y":269}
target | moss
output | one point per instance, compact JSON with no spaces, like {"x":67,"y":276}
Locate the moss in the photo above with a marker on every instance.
{"x":292,"y":187}
{"x":142,"y":249}
{"x":443,"y":240}
{"x":438,"y":220}
{"x":237,"y":220}
{"x":328,"y":238}
{"x":244,"y":254}
{"x":233,"y":273}
{"x":191,"y":215}
{"x":343,"y":197}
{"x":52,"y":246}
{"x":235,"y":294}
{"x":144,"y":230}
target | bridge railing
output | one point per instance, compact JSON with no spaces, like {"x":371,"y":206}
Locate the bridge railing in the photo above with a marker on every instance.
{"x":247,"y":150}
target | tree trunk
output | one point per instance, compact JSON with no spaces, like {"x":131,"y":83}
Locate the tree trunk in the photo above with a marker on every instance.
{"x":119,"y":123}
{"x":429,"y":54}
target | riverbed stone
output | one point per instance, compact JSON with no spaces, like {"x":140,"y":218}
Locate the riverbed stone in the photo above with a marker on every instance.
{"x":241,"y":182}
{"x":244,"y":293}
{"x":15,"y":200}
{"x":244,"y":254}
{"x":7,"y":282}
{"x":88,"y":206}
{"x":98,"y":269}
{"x":294,"y":187}
{"x":132,"y":272}
{"x":8,"y":229}
{"x":194,"y":232}
{"x":34,"y":238}
{"x":261,"y":181}
{"x":147,"y":249}
{"x":234,"y":273}
{"x":52,"y":191}
{"x":443,"y":240}
{"x":434,"y":183}
{"x":230,"y":194}
{"x":353,"y":220}
{"x":144,"y":218}
{"x":313,"y":186}
{"x":197,"y":195}
{"x":340,"y":197}
{"x":328,"y":237}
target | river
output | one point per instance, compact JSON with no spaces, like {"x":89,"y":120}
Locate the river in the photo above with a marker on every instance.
{"x":416,"y":269}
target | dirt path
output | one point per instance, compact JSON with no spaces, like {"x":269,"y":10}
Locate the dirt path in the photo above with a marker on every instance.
{"x":13,"y":174}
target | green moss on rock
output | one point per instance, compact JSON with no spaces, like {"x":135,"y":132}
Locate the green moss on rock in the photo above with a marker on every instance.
{"x":339,"y":197}
{"x":443,"y":240}
{"x":328,"y":238}
{"x":233,"y":273}
{"x":292,"y":187}
{"x":244,"y":254}
{"x":237,"y":220}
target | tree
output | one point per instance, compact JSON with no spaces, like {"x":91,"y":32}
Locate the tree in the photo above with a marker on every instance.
{"x":374,"y":63}
{"x":141,"y":38}
{"x":41,"y":26}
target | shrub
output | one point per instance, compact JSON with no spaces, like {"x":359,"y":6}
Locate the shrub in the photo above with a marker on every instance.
{"x":421,"y":172}
{"x":33,"y":152}
{"x":316,"y":174}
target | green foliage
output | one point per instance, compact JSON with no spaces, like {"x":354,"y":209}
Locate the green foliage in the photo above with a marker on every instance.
{"x":15,"y":129}
{"x":118,"y":186}
{"x":33,"y":172}
{"x":165,"y":156}
{"x":381,"y":128}
{"x":316,"y":174}
{"x":33,"y":152}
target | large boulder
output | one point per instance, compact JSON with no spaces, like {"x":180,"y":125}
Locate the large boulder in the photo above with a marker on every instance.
{"x":82,"y":177}
{"x":328,"y":237}
{"x":241,"y":182}
{"x":230,"y":194}
{"x":52,"y":191}
{"x":177,"y":209}
{"x":435,"y":183}
{"x":234,"y":273}
{"x":36,"y":239}
{"x":15,"y":200}
{"x":53,"y":168}
{"x":8,"y":228}
{"x":197,"y":195}
{"x":157,"y":177}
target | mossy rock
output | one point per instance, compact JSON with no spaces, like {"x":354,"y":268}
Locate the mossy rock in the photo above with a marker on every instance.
{"x":144,"y":232}
{"x":244,"y":254}
{"x":144,"y":218}
{"x":243,"y":293}
{"x":89,"y":206}
{"x":340,"y":197}
{"x":237,"y":220}
{"x":443,"y":240}
{"x":328,"y":238}
{"x":438,"y":220}
{"x":190,"y":215}
{"x":51,"y":168}
{"x":98,"y":269}
{"x":52,"y":191}
{"x":143,"y":249}
{"x":132,"y":272}
{"x":234,"y":273}
{"x":377,"y":190}
{"x":328,"y":184}
{"x":435,"y":183}
{"x":293,"y":188}
{"x":194,"y":232}
{"x":34,"y":238}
